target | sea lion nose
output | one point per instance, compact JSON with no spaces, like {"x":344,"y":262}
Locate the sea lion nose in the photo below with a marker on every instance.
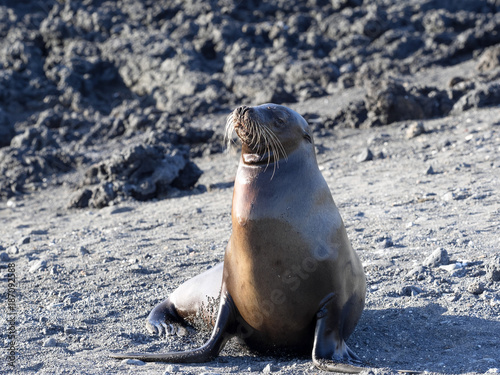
{"x":242,"y":110}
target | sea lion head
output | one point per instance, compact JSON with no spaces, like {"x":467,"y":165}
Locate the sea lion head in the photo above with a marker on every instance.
{"x":268,"y":132}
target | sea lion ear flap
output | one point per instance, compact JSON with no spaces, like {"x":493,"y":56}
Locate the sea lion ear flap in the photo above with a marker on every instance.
{"x":307,"y":137}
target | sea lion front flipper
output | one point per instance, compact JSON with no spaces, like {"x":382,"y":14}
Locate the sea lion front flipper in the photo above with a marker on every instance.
{"x":330,"y":352}
{"x":224,"y":329}
{"x":163,"y":319}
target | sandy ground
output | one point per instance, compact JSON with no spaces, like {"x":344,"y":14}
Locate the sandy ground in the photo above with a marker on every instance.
{"x":87,"y":279}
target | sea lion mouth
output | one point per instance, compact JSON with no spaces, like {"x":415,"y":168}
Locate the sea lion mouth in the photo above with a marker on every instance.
{"x":258,"y":159}
{"x":260,"y":145}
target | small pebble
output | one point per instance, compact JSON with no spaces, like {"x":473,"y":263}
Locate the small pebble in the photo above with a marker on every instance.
{"x":134,"y":362}
{"x":13,"y":250}
{"x":411,"y":291}
{"x":414,"y":130}
{"x":267,"y":369}
{"x":38,"y":265}
{"x":365,"y":155}
{"x":54,"y":270}
{"x":50,"y":343}
{"x":384,"y":242}
{"x":476,"y":288}
{"x":54,"y":306}
{"x":430,"y":170}
{"x":493,"y":270}
{"x":437,"y":258}
{"x":416,"y":273}
{"x":69,"y":330}
{"x":448,"y":196}
{"x":451,"y":267}
{"x":171,"y":369}
{"x":4,"y":257}
{"x":24,"y":240}
{"x":83,"y":251}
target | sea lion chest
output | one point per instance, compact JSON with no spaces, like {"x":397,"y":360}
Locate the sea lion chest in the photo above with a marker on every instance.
{"x":279,"y":262}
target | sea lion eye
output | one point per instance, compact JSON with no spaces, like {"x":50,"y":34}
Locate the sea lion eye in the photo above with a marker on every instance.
{"x":280,"y":122}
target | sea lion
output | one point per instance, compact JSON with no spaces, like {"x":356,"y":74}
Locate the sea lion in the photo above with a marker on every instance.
{"x":290,"y":280}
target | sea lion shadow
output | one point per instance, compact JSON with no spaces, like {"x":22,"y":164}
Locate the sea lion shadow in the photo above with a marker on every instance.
{"x":426,"y":338}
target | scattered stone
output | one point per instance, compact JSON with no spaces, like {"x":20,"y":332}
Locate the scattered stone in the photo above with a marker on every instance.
{"x":55,"y":269}
{"x":430,"y":171}
{"x":476,"y":288}
{"x":485,"y":95}
{"x":11,"y":203}
{"x":4,"y":257}
{"x":267,"y":369}
{"x":71,"y":298}
{"x":415,"y":129}
{"x":410,"y":291}
{"x":80,"y":199}
{"x":55,"y":306}
{"x":451,"y":267}
{"x":365,"y":155}
{"x":50,"y":343}
{"x":438,"y":257}
{"x":384,"y":242}
{"x":121,"y":210}
{"x":493,"y":269}
{"x":133,"y":362}
{"x":69,"y":330}
{"x":449,"y":196}
{"x":38,"y":265}
{"x":418,"y":273}
{"x":24,"y":241}
{"x":489,"y":59}
{"x":83,"y":251}
{"x":171,"y":369}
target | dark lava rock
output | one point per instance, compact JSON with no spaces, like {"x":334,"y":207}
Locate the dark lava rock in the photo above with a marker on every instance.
{"x":23,"y":170}
{"x":142,"y":172}
{"x":352,"y":116}
{"x":7,"y":131}
{"x":390,"y":101}
{"x":476,"y":287}
{"x":489,"y":59}
{"x":78,"y":74}
{"x":485,"y":95}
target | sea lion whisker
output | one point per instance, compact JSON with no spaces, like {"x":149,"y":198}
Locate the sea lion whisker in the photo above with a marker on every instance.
{"x":272,"y":147}
{"x":278,"y":143}
{"x":268,"y":145}
{"x":228,"y":133}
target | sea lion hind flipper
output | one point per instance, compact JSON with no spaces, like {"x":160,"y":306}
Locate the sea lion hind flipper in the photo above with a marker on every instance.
{"x":223,"y":330}
{"x":330,"y":352}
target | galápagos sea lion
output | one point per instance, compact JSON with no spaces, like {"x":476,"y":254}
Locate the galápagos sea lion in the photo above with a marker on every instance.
{"x":290,"y":280}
